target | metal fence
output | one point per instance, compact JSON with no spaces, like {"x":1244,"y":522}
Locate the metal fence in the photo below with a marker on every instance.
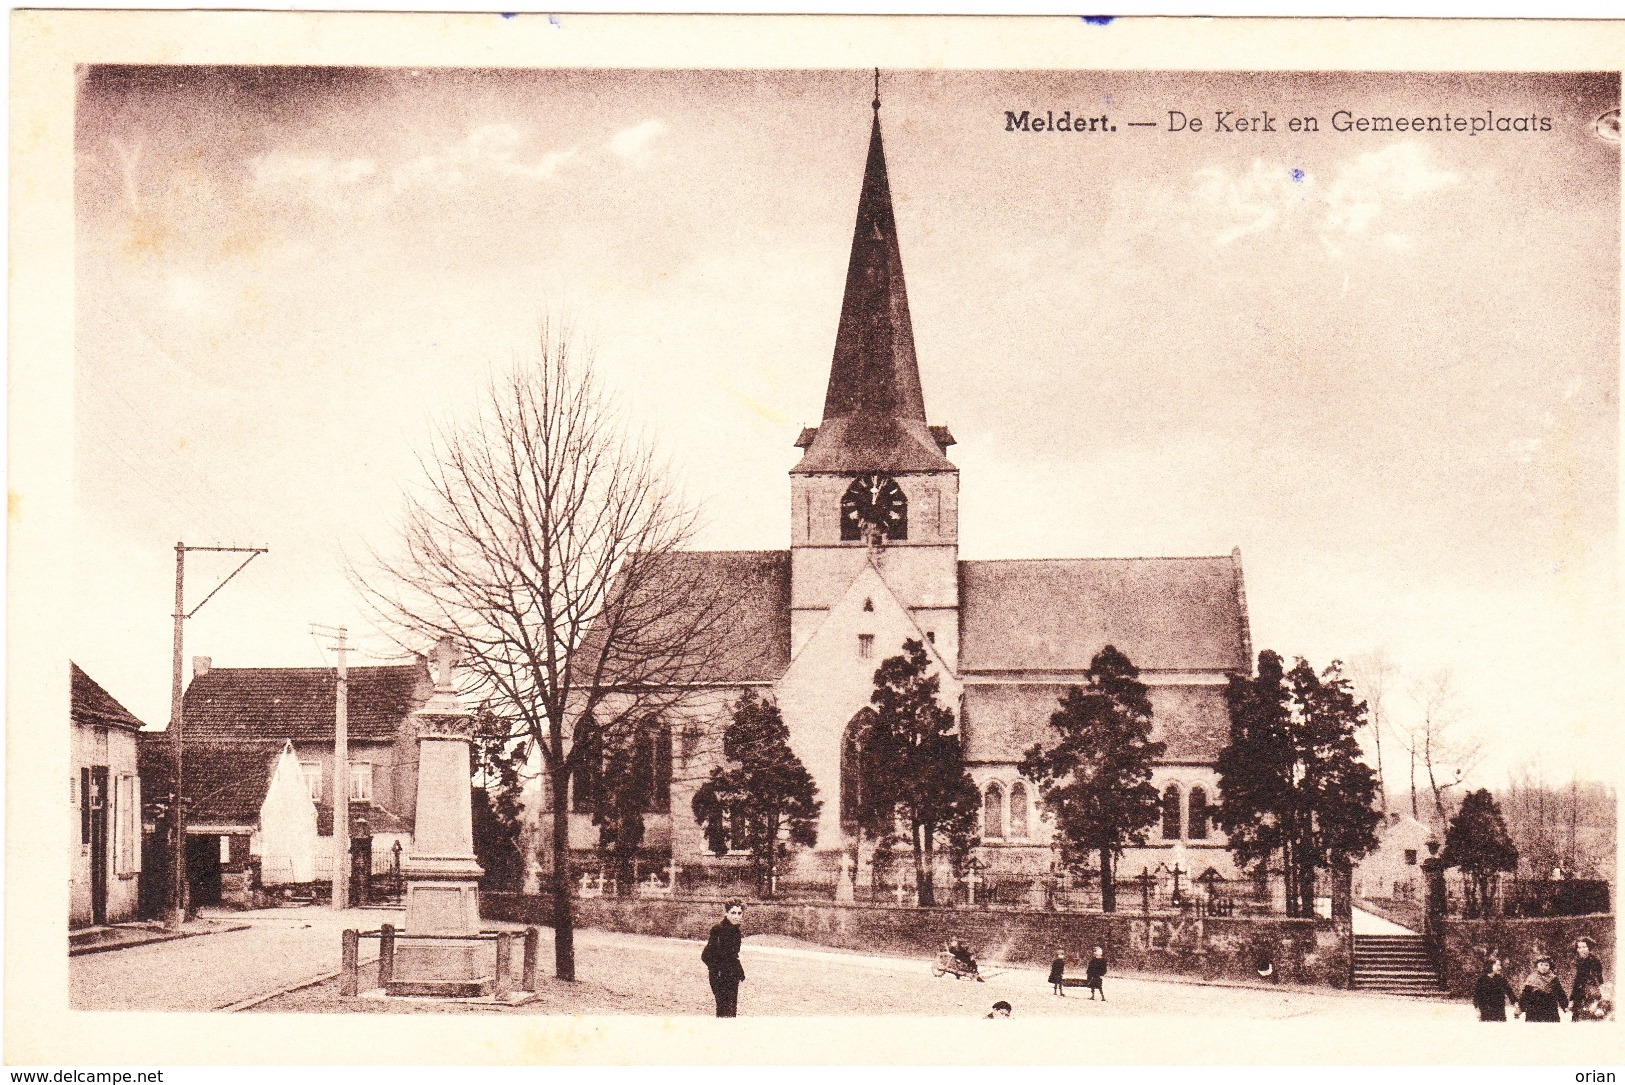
{"x":1153,"y":892}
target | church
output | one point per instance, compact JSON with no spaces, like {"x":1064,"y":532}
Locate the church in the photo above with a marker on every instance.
{"x":874,"y":560}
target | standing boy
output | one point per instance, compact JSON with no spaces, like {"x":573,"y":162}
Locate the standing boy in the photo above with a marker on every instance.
{"x":1096,"y":977}
{"x":721,"y":957}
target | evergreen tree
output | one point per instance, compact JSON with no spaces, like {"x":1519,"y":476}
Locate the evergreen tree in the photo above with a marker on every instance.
{"x":1096,"y":780}
{"x":623,"y":793}
{"x":498,"y":804}
{"x":767,"y":803}
{"x":1291,"y":778}
{"x":1478,"y":844}
{"x":915,"y":765}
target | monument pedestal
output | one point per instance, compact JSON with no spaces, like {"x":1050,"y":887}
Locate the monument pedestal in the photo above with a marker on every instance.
{"x":442,"y":898}
{"x":442,"y":877}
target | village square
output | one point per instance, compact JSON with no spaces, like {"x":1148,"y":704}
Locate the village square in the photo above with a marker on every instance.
{"x":573,"y":756}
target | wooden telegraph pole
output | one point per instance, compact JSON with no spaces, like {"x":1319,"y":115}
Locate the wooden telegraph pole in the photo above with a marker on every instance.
{"x":341,"y":779}
{"x":177,"y":743}
{"x":341,"y":765}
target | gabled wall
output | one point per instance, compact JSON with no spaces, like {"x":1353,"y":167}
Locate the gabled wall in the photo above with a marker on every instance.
{"x":829,"y":681}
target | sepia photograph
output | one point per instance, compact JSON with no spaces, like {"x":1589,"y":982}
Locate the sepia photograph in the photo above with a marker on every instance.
{"x":1108,"y":544}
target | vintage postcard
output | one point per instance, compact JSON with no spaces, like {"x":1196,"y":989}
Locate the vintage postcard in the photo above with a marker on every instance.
{"x":551,"y":530}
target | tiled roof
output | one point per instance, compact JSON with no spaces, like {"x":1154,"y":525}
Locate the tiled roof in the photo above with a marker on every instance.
{"x":237,"y":704}
{"x":1003,"y":721}
{"x":90,"y":704}
{"x":1165,"y":614}
{"x":225,"y":784}
{"x":754,"y":641}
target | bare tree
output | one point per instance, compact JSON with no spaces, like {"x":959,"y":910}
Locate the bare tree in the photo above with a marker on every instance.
{"x":1434,"y":741}
{"x":1374,"y":675}
{"x":546,"y":542}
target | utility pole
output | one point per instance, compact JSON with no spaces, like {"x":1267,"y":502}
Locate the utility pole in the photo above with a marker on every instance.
{"x":178,"y":902}
{"x":341,"y":763}
{"x":341,"y":780}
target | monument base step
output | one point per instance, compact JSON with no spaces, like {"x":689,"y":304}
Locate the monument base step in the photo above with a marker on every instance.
{"x":440,"y":988}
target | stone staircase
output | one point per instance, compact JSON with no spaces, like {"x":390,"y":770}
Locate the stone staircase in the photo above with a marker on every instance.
{"x":1395,"y":964}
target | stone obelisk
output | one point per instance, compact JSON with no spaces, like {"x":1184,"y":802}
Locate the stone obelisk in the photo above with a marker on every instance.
{"x":442,"y":876}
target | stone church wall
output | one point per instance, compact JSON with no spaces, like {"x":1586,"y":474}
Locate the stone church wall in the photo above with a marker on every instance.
{"x":1303,"y":951}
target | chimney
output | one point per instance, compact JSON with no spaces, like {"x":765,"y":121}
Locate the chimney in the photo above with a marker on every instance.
{"x":201,"y":665}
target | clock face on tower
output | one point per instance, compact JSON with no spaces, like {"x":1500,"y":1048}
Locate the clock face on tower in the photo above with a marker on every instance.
{"x":877,"y":500}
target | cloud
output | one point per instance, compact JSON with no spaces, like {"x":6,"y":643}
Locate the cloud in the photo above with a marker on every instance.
{"x":310,"y":173}
{"x":1251,"y":203}
{"x":489,"y":150}
{"x":1271,"y":195}
{"x":632,"y":143}
{"x":1365,"y":186}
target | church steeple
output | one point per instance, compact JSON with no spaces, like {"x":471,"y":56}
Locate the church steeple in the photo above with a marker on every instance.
{"x":874,"y":412}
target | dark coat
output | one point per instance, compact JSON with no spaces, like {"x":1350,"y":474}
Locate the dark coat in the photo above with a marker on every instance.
{"x":1587,"y":988}
{"x":1057,"y":970}
{"x":1491,"y":997}
{"x":1097,"y":971}
{"x":721,"y":953}
{"x":1541,"y":1002}
{"x":1587,"y":978}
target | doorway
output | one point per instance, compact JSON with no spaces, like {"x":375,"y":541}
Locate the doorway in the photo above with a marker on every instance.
{"x":203,"y":868}
{"x":95,"y":815}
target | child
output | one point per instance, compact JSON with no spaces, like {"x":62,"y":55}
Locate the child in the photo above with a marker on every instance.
{"x":1095,"y":980}
{"x":1057,"y":973}
{"x":1000,"y":1009}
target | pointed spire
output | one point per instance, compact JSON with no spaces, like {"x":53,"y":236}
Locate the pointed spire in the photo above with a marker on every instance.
{"x":874,"y":412}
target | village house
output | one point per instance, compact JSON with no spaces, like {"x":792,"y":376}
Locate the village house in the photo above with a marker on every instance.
{"x":874,"y":560}
{"x":252,"y":734}
{"x":104,"y":797}
{"x":1393,"y":870}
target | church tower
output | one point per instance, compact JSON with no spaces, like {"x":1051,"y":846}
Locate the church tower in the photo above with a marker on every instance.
{"x":873,"y":488}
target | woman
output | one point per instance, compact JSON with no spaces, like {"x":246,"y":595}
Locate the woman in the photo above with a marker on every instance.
{"x":1493,"y":993}
{"x":1542,"y":995}
{"x":1587,"y":986}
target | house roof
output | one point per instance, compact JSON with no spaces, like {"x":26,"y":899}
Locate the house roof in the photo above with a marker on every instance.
{"x":252,"y":704}
{"x":874,"y":411}
{"x":1164,"y":614}
{"x":90,"y":704}
{"x":225,"y":784}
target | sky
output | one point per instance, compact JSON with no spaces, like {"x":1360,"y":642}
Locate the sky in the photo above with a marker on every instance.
{"x":1383,"y":364}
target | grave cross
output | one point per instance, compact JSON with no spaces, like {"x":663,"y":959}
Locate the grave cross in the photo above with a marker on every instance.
{"x":972,"y":880}
{"x":899,"y":893}
{"x":671,"y":874}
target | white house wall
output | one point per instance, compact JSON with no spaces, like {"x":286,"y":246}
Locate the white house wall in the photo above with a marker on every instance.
{"x":114,"y":748}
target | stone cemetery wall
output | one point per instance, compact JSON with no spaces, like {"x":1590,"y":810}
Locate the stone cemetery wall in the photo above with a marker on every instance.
{"x":1303,"y":951}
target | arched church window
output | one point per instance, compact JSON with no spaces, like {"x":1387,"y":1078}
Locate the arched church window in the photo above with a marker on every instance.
{"x":853,"y":745}
{"x":993,"y":812}
{"x":587,"y":779}
{"x":1170,"y":812}
{"x":1196,"y":824}
{"x":654,"y":765}
{"x":876,"y":502}
{"x":1018,"y":811}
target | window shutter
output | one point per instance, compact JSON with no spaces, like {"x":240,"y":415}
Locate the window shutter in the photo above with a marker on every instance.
{"x":134,"y":866}
{"x":121,"y":824}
